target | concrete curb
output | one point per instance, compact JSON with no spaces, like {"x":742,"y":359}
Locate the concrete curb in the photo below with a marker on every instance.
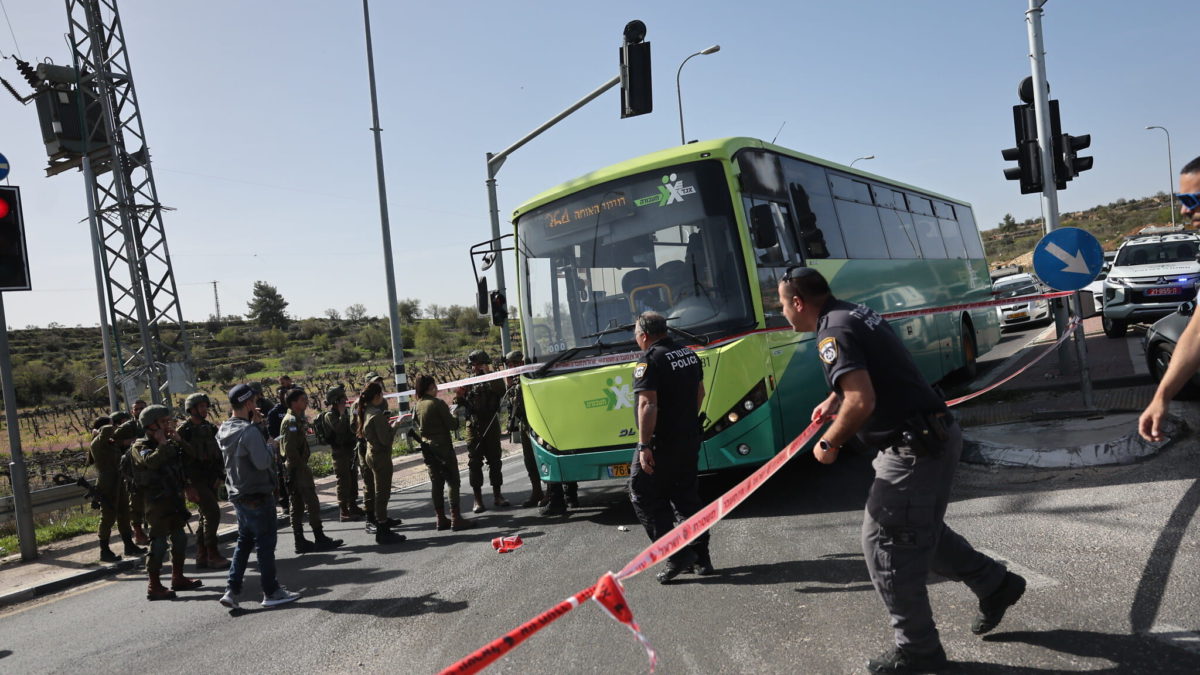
{"x":1001,"y":444}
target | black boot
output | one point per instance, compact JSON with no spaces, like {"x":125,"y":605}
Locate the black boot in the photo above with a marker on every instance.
{"x":132,"y":550}
{"x":384,"y":535}
{"x":676,"y":565}
{"x":900,"y":660}
{"x":106,"y":554}
{"x":703,"y":566}
{"x":302,"y":545}
{"x":325,"y":543}
{"x":993,"y":607}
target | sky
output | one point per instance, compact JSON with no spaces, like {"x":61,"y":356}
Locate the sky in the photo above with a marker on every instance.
{"x":258,"y":118}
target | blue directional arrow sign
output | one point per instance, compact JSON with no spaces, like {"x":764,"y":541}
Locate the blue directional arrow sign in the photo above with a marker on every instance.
{"x":3,"y":167}
{"x":1068,"y":259}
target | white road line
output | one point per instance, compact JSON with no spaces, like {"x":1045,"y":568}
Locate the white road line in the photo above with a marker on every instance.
{"x":1137,"y":356}
{"x":1033,"y":580}
{"x":1175,"y":636}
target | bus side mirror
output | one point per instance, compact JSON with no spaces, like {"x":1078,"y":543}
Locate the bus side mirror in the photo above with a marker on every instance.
{"x":482,"y":301}
{"x":762,"y":226}
{"x":1187,"y":308}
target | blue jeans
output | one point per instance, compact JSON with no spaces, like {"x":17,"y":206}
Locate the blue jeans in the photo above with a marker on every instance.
{"x":256,"y":531}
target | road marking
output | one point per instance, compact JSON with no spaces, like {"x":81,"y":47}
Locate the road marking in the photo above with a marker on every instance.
{"x":1176,"y":637}
{"x":1033,"y":580}
{"x":1137,"y":356}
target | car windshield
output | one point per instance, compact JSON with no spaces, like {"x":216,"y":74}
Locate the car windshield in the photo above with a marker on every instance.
{"x":1161,"y":252}
{"x":1014,"y":290}
{"x":664,"y":240}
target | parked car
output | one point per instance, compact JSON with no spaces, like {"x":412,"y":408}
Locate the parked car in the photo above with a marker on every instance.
{"x":1018,"y":313}
{"x":1160,"y":342}
{"x":1149,"y":279}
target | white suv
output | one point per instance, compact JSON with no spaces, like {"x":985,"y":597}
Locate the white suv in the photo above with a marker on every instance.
{"x":1149,"y":279}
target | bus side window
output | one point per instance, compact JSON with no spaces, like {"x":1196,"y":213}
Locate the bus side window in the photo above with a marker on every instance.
{"x":817,"y":229}
{"x":970,"y":233}
{"x":929,"y":234}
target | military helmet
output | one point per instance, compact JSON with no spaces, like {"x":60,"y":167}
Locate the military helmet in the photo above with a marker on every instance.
{"x":478,"y":356}
{"x":152,"y":414}
{"x":372,"y":377}
{"x":193,"y":399}
{"x":126,"y":432}
{"x":514,"y":355}
{"x":335,"y":394}
{"x":120,"y":417}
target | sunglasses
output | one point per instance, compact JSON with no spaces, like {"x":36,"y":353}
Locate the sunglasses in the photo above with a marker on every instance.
{"x":1190,"y":200}
{"x":797,"y":272}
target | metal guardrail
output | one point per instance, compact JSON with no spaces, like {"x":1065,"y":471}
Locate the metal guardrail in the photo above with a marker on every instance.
{"x":45,"y":501}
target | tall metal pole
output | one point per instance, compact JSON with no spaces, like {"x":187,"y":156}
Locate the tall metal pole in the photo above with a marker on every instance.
{"x":1170,"y":174}
{"x":401,"y":380}
{"x":16,"y":467}
{"x":494,"y":211}
{"x":679,"y":91}
{"x":105,"y":335}
{"x":1041,"y":106}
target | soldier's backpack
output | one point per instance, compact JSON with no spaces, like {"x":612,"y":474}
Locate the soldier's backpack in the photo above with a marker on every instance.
{"x":323,"y":428}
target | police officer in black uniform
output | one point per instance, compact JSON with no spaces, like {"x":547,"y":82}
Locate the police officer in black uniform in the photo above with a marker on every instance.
{"x":879,"y":394}
{"x":669,"y":384}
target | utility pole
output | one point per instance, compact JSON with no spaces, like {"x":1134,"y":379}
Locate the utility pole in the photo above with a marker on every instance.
{"x":217,"y":301}
{"x":1037,"y":54}
{"x":401,"y":380}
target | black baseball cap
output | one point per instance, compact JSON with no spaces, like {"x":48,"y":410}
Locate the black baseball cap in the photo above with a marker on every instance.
{"x":240,"y":394}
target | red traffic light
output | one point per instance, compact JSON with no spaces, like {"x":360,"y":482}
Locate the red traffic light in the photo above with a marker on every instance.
{"x":4,"y":208}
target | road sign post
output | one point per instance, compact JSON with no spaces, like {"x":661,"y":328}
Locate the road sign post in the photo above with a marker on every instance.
{"x":1068,"y":259}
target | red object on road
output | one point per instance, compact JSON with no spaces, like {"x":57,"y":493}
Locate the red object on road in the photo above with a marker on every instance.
{"x":507,"y":544}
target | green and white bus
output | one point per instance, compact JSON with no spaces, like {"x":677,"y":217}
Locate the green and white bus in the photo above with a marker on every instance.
{"x":702,"y":233}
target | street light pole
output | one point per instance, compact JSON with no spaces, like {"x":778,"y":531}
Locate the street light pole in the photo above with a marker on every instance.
{"x":861,"y":159}
{"x":678,"y":92}
{"x":1170,"y":173}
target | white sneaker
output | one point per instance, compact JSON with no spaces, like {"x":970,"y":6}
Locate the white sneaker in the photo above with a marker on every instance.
{"x":229,"y":599}
{"x":281,"y":596}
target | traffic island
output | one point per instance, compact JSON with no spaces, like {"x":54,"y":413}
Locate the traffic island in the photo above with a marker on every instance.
{"x":1066,"y":440}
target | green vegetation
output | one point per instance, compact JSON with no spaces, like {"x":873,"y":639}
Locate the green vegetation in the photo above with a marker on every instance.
{"x":1110,"y":223}
{"x":72,"y":524}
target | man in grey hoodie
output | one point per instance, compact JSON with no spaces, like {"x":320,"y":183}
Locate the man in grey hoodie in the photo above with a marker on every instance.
{"x":250,"y":478}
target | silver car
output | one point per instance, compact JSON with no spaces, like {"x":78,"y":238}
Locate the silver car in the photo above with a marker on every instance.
{"x":1029,"y":311}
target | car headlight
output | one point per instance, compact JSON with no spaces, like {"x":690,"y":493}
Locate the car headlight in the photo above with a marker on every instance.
{"x":1117,"y":281}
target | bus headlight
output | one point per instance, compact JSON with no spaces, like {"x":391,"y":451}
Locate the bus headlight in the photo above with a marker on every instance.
{"x":748,"y":403}
{"x":743,"y":449}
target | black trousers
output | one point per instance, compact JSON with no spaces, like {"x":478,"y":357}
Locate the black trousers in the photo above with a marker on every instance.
{"x":669,"y":496}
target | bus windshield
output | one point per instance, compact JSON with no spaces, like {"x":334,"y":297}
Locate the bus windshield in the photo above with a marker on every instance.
{"x":664,"y":240}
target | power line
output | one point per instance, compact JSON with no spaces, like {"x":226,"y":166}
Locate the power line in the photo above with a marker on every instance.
{"x":10,"y":29}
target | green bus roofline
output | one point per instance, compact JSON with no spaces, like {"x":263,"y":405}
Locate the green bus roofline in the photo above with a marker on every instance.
{"x":721,"y":148}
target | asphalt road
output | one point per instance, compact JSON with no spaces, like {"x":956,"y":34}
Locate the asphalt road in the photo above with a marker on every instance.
{"x":1111,"y":555}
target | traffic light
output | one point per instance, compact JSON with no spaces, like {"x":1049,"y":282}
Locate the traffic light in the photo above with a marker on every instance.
{"x":499,"y":308}
{"x":1026,"y":153}
{"x":636,"y":91}
{"x":1071,"y":147}
{"x":14,"y":262}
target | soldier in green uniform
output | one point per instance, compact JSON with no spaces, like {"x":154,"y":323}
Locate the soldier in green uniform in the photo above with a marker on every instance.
{"x":111,"y":441}
{"x":137,"y":500}
{"x":204,"y":469}
{"x":378,"y":434}
{"x":335,"y":426}
{"x":482,"y":404}
{"x":158,"y":472}
{"x":293,"y":443}
{"x":432,"y":424}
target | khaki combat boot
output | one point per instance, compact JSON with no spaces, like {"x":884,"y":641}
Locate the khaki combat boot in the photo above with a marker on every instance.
{"x":139,"y":535}
{"x":443,"y":523}
{"x":216,"y":561}
{"x":457,"y":522}
{"x":155,"y":590}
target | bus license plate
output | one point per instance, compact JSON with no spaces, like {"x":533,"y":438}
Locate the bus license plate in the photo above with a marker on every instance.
{"x":618,"y":471}
{"x":1170,"y":290}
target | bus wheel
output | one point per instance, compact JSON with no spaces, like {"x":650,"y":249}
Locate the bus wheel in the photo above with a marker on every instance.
{"x":970,"y":367}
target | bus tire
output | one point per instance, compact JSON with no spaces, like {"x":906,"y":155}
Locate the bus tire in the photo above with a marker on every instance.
{"x":970,"y":367}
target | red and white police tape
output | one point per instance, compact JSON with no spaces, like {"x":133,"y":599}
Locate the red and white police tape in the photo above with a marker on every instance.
{"x":608,"y":590}
{"x":624,"y":357}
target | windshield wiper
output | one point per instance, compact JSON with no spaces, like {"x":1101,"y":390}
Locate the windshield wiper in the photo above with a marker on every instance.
{"x":608,"y":331}
{"x":566,"y":354}
{"x":702,"y":339}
